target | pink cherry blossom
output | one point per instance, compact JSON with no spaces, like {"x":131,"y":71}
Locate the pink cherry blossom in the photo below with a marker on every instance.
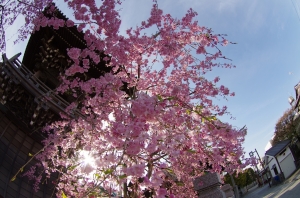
{"x":163,"y":129}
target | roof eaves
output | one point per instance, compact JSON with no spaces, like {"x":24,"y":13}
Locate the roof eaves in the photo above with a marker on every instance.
{"x":278,"y":148}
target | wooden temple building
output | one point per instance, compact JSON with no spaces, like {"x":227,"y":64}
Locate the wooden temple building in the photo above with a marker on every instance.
{"x":28,"y":102}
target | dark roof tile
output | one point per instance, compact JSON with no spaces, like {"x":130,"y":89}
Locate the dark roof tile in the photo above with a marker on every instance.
{"x":277,"y":148}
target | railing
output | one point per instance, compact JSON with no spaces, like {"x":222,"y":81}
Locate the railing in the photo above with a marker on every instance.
{"x":19,"y":74}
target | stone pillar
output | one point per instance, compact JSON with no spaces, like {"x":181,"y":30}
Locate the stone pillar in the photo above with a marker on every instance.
{"x":235,"y":188}
{"x":227,"y":189}
{"x":208,"y":186}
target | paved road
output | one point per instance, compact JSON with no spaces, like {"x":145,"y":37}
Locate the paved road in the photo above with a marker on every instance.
{"x":289,"y":189}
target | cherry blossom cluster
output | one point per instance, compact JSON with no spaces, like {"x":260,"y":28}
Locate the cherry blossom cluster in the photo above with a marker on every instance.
{"x":161,"y":132}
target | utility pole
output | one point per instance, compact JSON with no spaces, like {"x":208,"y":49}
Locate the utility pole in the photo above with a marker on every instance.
{"x":262,"y":164}
{"x":251,"y":154}
{"x":235,"y":188}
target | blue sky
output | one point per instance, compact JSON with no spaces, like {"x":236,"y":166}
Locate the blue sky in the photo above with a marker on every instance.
{"x":267,"y":55}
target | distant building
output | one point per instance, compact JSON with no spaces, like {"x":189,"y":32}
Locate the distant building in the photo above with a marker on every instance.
{"x":280,"y":159}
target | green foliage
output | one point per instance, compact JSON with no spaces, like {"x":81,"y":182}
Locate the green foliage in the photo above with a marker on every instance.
{"x":286,"y":127}
{"x":122,"y":176}
{"x":241,"y":179}
{"x":63,"y":195}
{"x":13,"y":179}
{"x":108,"y":171}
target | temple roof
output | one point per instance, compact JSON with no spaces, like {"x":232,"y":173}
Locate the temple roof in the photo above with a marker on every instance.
{"x":46,"y":51}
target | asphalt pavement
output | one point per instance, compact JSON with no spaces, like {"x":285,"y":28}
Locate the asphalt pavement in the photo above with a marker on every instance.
{"x":290,"y":188}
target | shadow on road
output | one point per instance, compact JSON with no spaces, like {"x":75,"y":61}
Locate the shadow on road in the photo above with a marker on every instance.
{"x":292,"y":192}
{"x":288,"y":190}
